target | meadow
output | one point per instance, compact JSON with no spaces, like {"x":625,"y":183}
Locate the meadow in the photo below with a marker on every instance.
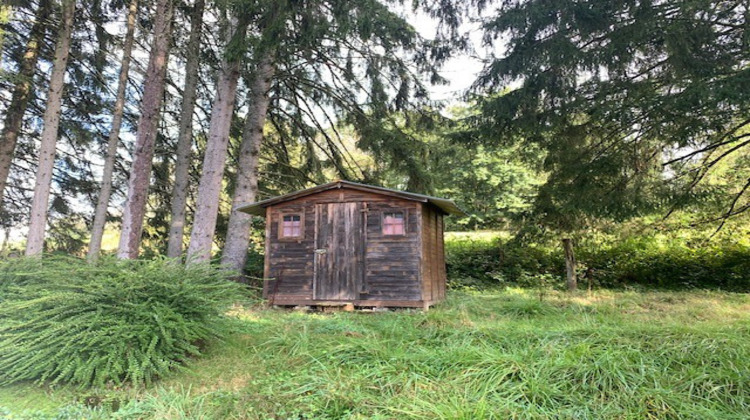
{"x":510,"y":353}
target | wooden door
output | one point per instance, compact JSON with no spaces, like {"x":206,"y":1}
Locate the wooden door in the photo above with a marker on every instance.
{"x":339,"y":253}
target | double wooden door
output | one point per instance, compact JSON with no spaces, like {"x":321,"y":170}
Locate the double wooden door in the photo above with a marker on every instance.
{"x":339,"y":251}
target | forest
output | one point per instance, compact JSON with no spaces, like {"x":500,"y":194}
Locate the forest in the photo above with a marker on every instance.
{"x":600,"y":150}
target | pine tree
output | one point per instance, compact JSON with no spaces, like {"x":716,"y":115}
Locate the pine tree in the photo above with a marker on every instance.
{"x":40,"y":203}
{"x":623,"y":95}
{"x":148,"y":123}
{"x":311,"y":48}
{"x":185,"y":135}
{"x":13,"y":120}
{"x":209,"y":188}
{"x":100,"y":212}
{"x":234,"y":253}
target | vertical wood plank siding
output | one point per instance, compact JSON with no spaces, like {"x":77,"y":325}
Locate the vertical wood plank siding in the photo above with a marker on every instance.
{"x":338,"y":267}
{"x":442,"y":279}
{"x":360,"y":262}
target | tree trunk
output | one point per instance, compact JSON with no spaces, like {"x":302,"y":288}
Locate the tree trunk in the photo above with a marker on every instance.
{"x":148,"y":124}
{"x":185,"y":136}
{"x":21,"y":93}
{"x":570,"y":265}
{"x":238,"y":232}
{"x":209,"y":188}
{"x":51,"y":121}
{"x":100,"y":214}
{"x":6,"y":240}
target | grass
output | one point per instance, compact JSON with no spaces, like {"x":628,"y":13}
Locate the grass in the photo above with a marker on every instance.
{"x":505,"y":354}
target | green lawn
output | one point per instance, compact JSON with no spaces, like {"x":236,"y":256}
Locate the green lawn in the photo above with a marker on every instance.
{"x":627,"y":355}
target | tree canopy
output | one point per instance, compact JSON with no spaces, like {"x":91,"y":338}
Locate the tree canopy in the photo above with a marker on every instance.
{"x":635,"y":101}
{"x":591,"y":112}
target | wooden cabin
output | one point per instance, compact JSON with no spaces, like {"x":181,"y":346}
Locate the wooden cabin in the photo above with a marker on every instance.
{"x":348,"y":243}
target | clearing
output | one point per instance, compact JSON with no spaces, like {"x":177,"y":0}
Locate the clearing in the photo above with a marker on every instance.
{"x":505,"y":354}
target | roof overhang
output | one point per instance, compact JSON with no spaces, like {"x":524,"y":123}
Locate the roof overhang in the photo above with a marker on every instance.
{"x":444,"y":204}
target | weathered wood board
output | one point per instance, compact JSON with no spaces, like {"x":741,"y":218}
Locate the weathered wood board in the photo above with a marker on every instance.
{"x":343,"y":255}
{"x":338,"y":254}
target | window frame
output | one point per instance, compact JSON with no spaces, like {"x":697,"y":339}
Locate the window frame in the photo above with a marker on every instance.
{"x":404,"y":212}
{"x":280,"y":231}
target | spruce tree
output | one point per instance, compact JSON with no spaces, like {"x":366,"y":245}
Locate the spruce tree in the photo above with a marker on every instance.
{"x":102,"y":204}
{"x":47,"y":148}
{"x":185,"y":135}
{"x":22,"y":92}
{"x":148,"y":123}
{"x":212,"y":171}
{"x":234,"y":253}
{"x":623,"y":95}
{"x":329,"y":60}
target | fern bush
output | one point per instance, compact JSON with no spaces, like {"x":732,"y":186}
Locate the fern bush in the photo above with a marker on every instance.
{"x":65,"y":320}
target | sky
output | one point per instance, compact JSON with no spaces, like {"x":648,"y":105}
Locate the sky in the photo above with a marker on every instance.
{"x":460,"y":70}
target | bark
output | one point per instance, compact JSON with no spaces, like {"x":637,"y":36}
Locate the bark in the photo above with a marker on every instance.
{"x":209,"y":188}
{"x":185,"y":135}
{"x":570,"y":265}
{"x":6,"y":239}
{"x":100,"y":214}
{"x":148,"y":124}
{"x":21,"y":94}
{"x":238,"y":232}
{"x":51,"y":121}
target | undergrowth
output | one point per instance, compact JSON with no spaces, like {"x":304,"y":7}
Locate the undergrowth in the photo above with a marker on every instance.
{"x":63,"y":320}
{"x":490,"y":261}
{"x":607,"y":354}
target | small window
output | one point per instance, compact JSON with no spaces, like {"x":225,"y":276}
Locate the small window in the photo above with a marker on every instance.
{"x":291,"y":226}
{"x":393,"y":223}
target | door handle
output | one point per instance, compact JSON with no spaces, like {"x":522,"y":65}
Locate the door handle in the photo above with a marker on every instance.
{"x":321,"y":251}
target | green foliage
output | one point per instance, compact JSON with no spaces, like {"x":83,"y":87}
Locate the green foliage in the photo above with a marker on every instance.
{"x":65,"y":320}
{"x":623,"y":96}
{"x":419,"y":152}
{"x":493,"y":185}
{"x":68,"y":412}
{"x":642,"y":261}
{"x":179,"y":403}
{"x":477,"y":356}
{"x":254,"y":262}
{"x":482,"y":261}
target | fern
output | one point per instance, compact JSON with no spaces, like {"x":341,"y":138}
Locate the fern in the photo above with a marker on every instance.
{"x":65,"y":320}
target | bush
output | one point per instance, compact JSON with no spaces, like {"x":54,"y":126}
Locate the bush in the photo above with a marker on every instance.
{"x":643,"y":262}
{"x":65,"y":320}
{"x":481,"y":262}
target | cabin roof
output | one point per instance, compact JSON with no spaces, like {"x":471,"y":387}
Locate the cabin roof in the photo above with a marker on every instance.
{"x":258,"y":208}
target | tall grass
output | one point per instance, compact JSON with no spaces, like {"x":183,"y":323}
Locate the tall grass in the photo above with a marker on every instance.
{"x":490,"y":355}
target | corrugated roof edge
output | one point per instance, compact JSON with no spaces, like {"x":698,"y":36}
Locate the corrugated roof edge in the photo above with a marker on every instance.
{"x":258,"y":208}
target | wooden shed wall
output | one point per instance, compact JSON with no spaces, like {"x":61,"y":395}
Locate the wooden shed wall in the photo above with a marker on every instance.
{"x":392,"y":263}
{"x":433,"y":253}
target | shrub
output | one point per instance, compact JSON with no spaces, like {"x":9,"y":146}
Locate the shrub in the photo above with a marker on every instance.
{"x":65,"y":320}
{"x":479,"y":262}
{"x":674,"y":265}
{"x":483,"y":261}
